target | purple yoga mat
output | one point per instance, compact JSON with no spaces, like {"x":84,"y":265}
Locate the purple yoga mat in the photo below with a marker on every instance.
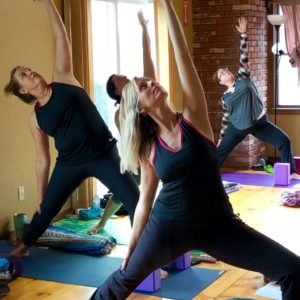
{"x":257,"y":179}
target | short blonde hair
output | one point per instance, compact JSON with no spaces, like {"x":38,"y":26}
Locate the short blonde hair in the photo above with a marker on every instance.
{"x":215,"y":77}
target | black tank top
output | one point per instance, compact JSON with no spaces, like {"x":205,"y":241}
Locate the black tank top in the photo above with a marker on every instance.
{"x":71,"y":117}
{"x":192,"y":186}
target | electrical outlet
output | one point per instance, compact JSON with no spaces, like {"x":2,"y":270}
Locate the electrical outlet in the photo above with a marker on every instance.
{"x":21,"y":193}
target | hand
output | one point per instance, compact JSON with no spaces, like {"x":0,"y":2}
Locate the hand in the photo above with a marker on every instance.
{"x":126,"y":259}
{"x":142,"y":19}
{"x":130,"y":250}
{"x":38,"y":208}
{"x":242,"y":27}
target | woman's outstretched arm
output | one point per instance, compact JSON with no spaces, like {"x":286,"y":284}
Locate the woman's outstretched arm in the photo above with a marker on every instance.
{"x":194,"y":101}
{"x":43,"y":160}
{"x":149,"y":69}
{"x":244,"y":69}
{"x":148,"y":187}
{"x":63,"y":68}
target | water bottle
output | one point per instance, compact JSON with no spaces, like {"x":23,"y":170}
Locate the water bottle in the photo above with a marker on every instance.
{"x":20,"y":219}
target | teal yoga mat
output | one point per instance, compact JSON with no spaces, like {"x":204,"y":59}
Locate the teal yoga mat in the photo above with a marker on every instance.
{"x":66,"y":267}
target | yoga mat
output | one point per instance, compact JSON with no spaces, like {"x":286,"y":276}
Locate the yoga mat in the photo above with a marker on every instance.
{"x":257,"y":179}
{"x":186,"y":284}
{"x":119,"y":228}
{"x":66,"y":267}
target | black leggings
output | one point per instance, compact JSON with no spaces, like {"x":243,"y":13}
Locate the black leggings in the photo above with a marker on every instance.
{"x":65,"y":179}
{"x":263,"y":130}
{"x":230,"y":240}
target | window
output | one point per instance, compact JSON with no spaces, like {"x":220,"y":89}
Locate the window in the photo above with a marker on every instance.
{"x":117,"y":49}
{"x":288,"y":88}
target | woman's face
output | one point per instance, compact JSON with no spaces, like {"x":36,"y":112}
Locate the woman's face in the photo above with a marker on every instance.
{"x":150,"y":93}
{"x":224,"y":76}
{"x":119,"y":81}
{"x":27,"y":79}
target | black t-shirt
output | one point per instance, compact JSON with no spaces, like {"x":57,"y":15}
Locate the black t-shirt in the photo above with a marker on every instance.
{"x":72,"y":119}
{"x":192,"y":186}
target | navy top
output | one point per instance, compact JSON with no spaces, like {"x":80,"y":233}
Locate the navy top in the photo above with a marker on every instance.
{"x":192,"y":186}
{"x":74,"y":122}
{"x":244,"y":104}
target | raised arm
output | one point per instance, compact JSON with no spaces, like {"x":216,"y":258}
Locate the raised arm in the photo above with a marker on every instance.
{"x":63,"y":68}
{"x":148,"y":187}
{"x":244,"y":69}
{"x":224,"y":122}
{"x":149,"y":69}
{"x":42,"y":164}
{"x":194,"y":101}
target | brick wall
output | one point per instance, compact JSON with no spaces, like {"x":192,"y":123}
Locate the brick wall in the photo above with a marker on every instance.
{"x":216,"y":43}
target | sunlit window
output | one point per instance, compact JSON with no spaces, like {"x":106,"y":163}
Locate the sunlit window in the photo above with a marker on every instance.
{"x":288,"y":88}
{"x":117,"y":48}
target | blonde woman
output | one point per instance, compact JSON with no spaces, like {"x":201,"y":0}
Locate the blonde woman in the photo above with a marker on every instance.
{"x":114,"y":87}
{"x":192,"y":210}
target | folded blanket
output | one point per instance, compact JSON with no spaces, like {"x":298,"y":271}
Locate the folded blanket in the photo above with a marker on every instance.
{"x":291,"y":199}
{"x":91,"y":213}
{"x":231,"y":186}
{"x":64,"y":239}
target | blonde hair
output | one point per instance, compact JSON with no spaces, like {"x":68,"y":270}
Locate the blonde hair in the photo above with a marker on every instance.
{"x":136,"y":130}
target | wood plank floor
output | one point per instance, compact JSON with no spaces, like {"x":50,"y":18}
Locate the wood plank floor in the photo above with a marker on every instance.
{"x":258,"y":206}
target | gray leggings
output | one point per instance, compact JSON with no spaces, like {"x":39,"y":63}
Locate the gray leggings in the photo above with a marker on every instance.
{"x":65,"y":179}
{"x":229,"y":240}
{"x":263,"y":130}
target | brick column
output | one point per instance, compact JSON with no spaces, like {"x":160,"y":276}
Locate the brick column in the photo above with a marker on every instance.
{"x":216,"y":43}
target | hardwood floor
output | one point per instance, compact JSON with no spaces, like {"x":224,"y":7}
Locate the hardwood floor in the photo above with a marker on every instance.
{"x":258,"y":206}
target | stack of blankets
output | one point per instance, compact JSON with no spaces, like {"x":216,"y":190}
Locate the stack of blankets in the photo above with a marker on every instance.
{"x":231,"y":186}
{"x":10,"y":268}
{"x":59,"y":238}
{"x":290,"y":198}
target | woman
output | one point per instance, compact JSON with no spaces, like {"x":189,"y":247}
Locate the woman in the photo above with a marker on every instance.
{"x":85,"y":146}
{"x":115,"y":84}
{"x":244,"y":111}
{"x":192,"y":210}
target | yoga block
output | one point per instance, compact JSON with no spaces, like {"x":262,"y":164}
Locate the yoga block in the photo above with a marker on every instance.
{"x":182,"y":262}
{"x":282,"y":173}
{"x":150,"y":283}
{"x":297,"y":163}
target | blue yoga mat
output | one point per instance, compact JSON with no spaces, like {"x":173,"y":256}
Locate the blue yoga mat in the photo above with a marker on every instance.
{"x":186,"y":284}
{"x":70,"y":268}
{"x":257,"y":179}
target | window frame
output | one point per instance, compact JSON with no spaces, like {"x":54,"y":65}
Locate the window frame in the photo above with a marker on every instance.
{"x":276,"y":107}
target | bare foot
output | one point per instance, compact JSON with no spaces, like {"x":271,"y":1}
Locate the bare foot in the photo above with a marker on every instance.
{"x":207,"y":258}
{"x":163,"y":274}
{"x":95,"y":229}
{"x":22,"y":250}
{"x":295,"y":176}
